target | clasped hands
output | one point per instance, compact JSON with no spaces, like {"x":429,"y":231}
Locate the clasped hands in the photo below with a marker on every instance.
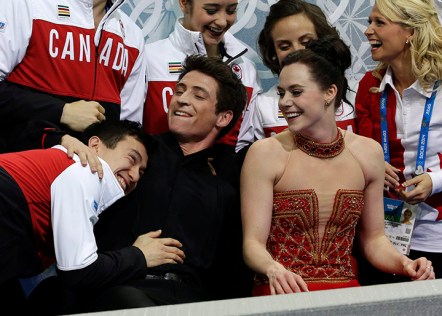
{"x":421,"y":185}
{"x":419,"y":269}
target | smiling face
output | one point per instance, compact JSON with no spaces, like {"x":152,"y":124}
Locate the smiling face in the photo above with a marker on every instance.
{"x":192,"y":113}
{"x":127,"y":160}
{"x":387,"y":39}
{"x":301,"y":100}
{"x":292,"y":33}
{"x":210,"y":17}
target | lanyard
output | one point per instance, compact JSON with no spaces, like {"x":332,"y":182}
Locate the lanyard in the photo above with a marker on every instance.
{"x":423,"y":135}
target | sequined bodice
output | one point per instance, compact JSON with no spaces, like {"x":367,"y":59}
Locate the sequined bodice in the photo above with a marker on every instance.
{"x":294,"y":238}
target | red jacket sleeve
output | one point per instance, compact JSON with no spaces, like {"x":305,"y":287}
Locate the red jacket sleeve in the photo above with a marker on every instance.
{"x":364,"y":109}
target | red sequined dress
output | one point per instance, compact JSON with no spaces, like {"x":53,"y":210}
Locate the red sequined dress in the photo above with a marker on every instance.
{"x":315,"y":245}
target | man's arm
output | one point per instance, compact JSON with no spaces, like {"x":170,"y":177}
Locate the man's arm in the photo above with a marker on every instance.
{"x":21,"y":104}
{"x":110,"y":268}
{"x":18,"y":104}
{"x":77,"y":199}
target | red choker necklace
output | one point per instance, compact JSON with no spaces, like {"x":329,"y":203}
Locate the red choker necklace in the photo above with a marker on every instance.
{"x":319,"y":150}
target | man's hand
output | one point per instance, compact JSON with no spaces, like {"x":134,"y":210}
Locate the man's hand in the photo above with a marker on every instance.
{"x":85,"y":153}
{"x":158,"y":251}
{"x":80,"y":114}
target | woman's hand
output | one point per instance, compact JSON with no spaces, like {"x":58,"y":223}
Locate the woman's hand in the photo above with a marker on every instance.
{"x":86,"y":154}
{"x":419,"y":269}
{"x":422,"y":187}
{"x":391,"y":176}
{"x":282,"y":281}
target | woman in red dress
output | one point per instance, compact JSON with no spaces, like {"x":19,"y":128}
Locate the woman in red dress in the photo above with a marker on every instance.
{"x":303,"y":191}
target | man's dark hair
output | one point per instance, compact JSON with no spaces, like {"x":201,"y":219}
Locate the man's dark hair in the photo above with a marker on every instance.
{"x":111,"y":132}
{"x":231,"y":93}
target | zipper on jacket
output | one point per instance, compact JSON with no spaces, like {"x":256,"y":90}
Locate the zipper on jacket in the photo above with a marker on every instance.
{"x":229,"y":59}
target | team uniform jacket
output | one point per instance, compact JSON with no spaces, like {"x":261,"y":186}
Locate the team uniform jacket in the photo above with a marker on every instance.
{"x":64,"y":201}
{"x":51,"y":55}
{"x":164,"y":67}
{"x":404,"y":116}
{"x":269,"y":120}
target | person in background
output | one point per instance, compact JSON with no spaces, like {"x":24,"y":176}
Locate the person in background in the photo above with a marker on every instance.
{"x":304,"y":190}
{"x":72,"y":64}
{"x":188,"y":193}
{"x":203,"y":30}
{"x":289,"y":26}
{"x":397,"y":104}
{"x":50,"y":202}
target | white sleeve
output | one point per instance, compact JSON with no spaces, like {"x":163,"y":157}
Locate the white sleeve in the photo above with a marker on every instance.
{"x":15,"y":33}
{"x":258,"y":124}
{"x":247,"y":131}
{"x":436,"y":178}
{"x":133,"y":93}
{"x":75,"y":195}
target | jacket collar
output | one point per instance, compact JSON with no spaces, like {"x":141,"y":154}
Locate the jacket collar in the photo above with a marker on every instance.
{"x":388,"y":80}
{"x":169,"y":140}
{"x":191,"y":42}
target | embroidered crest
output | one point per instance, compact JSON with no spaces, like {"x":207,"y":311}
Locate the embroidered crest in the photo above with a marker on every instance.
{"x":237,"y":70}
{"x":63,"y":11}
{"x":175,"y":67}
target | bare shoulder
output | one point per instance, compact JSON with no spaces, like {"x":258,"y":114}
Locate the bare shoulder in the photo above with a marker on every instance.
{"x":269,"y":155}
{"x":278,"y":144}
{"x":366,"y":150}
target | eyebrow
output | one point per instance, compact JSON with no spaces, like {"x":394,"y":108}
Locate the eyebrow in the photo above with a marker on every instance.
{"x":194,"y":88}
{"x":303,"y":36}
{"x":296,"y":86}
{"x":219,"y":5}
{"x":197,"y":88}
{"x":293,"y":86}
{"x":137,"y":153}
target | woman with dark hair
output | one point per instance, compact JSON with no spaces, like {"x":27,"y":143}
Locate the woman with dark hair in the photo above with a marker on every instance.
{"x":290,"y":25}
{"x":299,"y":226}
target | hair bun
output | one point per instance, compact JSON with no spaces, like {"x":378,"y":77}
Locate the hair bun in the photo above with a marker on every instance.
{"x":333,"y":49}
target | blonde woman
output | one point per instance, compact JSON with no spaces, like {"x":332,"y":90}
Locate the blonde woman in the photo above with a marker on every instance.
{"x":399,"y":105}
